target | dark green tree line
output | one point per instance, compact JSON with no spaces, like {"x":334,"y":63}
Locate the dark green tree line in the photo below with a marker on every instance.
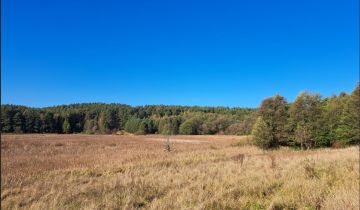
{"x":110,"y":118}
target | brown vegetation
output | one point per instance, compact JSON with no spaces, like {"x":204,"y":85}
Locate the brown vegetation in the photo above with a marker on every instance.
{"x":200,"y":172}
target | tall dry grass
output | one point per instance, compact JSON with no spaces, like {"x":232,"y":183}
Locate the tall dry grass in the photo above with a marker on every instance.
{"x":202,"y":172}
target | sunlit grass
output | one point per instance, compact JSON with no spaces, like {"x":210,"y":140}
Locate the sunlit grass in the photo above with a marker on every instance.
{"x":129,"y":173}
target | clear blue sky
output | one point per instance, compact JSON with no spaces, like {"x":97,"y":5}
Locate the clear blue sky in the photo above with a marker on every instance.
{"x":218,"y":53}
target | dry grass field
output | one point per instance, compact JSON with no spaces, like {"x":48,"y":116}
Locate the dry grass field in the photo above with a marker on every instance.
{"x":200,"y":172}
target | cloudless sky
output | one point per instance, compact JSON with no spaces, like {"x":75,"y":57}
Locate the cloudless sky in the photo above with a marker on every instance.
{"x":183,"y":52}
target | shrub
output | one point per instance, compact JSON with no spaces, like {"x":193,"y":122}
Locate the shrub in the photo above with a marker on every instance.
{"x":188,"y":128}
{"x":262,"y":134}
{"x":133,"y":125}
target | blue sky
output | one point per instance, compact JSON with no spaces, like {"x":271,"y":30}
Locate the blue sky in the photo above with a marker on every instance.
{"x":214,"y":53}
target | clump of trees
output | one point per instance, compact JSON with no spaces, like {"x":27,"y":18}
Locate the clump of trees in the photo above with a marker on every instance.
{"x":94,"y":118}
{"x":310,"y":121}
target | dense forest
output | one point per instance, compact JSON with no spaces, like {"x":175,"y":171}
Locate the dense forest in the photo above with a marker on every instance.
{"x":310,"y":121}
{"x":110,"y":118}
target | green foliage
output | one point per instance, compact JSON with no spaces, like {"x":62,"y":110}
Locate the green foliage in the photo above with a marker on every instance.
{"x":18,"y":121}
{"x":133,"y":125}
{"x":32,"y":121}
{"x":332,"y":109}
{"x":49,"y":123}
{"x":90,"y":126}
{"x":348,"y":131}
{"x":110,"y":118}
{"x":305,"y":119}
{"x":340,"y":120}
{"x":7,"y":119}
{"x":147,"y":126}
{"x":242,"y":128}
{"x":262,"y":134}
{"x":310,"y":121}
{"x":273,"y":111}
{"x":303,"y":134}
{"x":189,"y":127}
{"x":66,"y":126}
{"x":169,"y":125}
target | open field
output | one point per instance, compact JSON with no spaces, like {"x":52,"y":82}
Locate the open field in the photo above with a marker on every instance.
{"x":201,"y":172}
